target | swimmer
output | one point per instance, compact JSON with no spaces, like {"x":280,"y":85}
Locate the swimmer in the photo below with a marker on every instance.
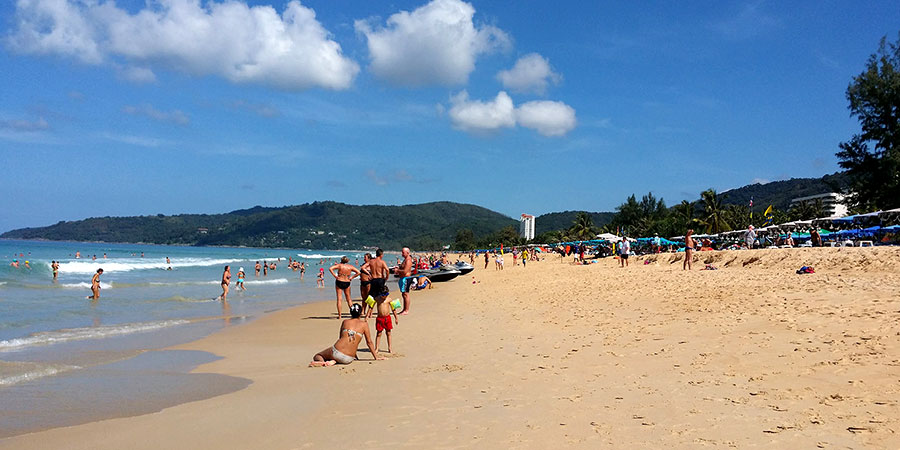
{"x":55,"y":266}
{"x":353,"y":331}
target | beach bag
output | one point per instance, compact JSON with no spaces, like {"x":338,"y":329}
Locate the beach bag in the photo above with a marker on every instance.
{"x":806,"y":269}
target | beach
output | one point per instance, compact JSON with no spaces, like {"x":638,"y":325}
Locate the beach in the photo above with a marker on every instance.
{"x":556,"y":354}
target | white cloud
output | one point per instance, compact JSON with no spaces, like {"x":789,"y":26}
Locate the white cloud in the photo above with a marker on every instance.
{"x":546,"y":117}
{"x":140,"y":75}
{"x":242,"y":43}
{"x":435,"y":44}
{"x":482,"y":117}
{"x":24,"y":125}
{"x":175,"y":116}
{"x":531,"y":73}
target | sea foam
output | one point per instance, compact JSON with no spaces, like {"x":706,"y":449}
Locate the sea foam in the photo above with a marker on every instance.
{"x":79,"y":334}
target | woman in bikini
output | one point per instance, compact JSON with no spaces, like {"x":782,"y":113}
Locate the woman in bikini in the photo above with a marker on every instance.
{"x":345,"y":273}
{"x":353,"y":330}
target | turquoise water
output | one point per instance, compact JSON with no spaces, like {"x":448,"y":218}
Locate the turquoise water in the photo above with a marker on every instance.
{"x":50,"y":332}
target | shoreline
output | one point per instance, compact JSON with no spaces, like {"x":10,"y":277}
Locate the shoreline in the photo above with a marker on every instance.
{"x":751,"y":354}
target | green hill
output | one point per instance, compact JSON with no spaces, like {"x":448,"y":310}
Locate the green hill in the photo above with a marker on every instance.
{"x":318,"y":225}
{"x":563,"y":220}
{"x":780,"y":193}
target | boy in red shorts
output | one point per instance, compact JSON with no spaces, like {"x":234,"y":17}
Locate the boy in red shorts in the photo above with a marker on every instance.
{"x":383,"y":321}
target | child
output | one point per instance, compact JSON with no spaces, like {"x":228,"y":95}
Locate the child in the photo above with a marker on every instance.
{"x":240,"y":280}
{"x":320,"y":279}
{"x":383,"y":321}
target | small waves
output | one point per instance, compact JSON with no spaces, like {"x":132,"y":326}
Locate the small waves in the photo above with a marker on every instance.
{"x":273,"y":281}
{"x":132,"y":264}
{"x":317,"y":256}
{"x":86,"y":285}
{"x":18,"y":372}
{"x":80,"y":334}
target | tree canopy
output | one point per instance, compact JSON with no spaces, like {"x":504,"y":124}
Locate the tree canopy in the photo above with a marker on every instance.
{"x":872,"y":156}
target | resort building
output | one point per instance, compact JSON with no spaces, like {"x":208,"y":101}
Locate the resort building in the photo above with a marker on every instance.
{"x":832,"y":203}
{"x":526,"y":226}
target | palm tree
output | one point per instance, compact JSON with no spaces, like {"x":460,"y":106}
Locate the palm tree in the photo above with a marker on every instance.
{"x":684,"y":214}
{"x":714,"y":214}
{"x":583,"y":226}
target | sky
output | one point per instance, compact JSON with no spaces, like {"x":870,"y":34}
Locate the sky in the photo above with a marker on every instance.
{"x":133,"y":107}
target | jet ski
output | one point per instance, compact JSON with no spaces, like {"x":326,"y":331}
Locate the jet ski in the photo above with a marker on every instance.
{"x":463,"y":267}
{"x":442,"y":273}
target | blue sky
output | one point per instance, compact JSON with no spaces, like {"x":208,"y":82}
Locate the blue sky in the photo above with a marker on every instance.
{"x":180,"y":106}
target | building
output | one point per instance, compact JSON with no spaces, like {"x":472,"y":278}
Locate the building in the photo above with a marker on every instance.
{"x":526,"y":226}
{"x":832,"y":203}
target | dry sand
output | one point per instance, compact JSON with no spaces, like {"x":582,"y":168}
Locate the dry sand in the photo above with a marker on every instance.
{"x":751,"y":355}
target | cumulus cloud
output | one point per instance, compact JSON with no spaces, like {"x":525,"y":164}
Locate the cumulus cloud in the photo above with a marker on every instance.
{"x":548,"y":118}
{"x":482,"y":117}
{"x":437,"y":43}
{"x":175,"y":116}
{"x":531,"y":73}
{"x":242,"y":43}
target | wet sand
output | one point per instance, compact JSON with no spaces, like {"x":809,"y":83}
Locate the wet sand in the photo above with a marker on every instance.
{"x":750,"y":355}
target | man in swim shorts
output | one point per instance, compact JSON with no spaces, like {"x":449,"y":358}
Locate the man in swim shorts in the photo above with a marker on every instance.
{"x":404,"y":270}
{"x":688,"y":250}
{"x":378,"y":282}
{"x":383,"y":322}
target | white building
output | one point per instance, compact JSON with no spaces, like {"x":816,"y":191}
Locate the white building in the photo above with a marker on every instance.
{"x":526,"y":226}
{"x":832,"y":203}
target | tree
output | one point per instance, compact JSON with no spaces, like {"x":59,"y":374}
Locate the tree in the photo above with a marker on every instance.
{"x":684,"y":215}
{"x":583,"y":227}
{"x":465,"y":240}
{"x":714,"y":214}
{"x":874,"y":97}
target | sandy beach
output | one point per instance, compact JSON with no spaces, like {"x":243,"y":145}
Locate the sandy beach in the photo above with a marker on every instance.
{"x":750,"y":355}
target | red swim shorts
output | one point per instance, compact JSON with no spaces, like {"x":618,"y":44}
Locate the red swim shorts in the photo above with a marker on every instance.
{"x":383,"y":323}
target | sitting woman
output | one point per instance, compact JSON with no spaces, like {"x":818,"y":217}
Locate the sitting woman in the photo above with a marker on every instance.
{"x":353,"y":330}
{"x":422,"y":282}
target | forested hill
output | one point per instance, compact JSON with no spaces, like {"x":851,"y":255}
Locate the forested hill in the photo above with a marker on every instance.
{"x":318,"y":225}
{"x":780,"y":193}
{"x":563,"y":220}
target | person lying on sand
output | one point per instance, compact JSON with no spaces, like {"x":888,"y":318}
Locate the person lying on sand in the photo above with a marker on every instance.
{"x":353,"y":330}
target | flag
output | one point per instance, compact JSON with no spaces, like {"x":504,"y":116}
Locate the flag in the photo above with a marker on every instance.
{"x":751,"y":207}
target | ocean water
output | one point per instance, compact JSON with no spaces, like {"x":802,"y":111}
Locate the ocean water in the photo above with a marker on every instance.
{"x":54,"y":340}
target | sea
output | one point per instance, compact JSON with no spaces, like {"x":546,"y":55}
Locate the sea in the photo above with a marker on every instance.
{"x":66,"y":359}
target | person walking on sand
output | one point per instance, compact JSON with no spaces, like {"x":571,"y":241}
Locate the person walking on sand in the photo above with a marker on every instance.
{"x":95,"y":284}
{"x":226,"y":280}
{"x":353,"y":331}
{"x":486,"y":259}
{"x":688,"y":250}
{"x":624,"y":249}
{"x":525,"y":258}
{"x":404,"y":270}
{"x":345,"y":274}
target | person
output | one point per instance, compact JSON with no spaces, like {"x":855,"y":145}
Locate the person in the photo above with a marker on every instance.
{"x":77,"y":255}
{"x":486,"y":258}
{"x":104,"y":255}
{"x":55,"y":266}
{"x":404,"y":272}
{"x":750,"y":238}
{"x":240,"y":280}
{"x":789,"y":239}
{"x":378,"y":282}
{"x":365,"y":278}
{"x":95,"y":284}
{"x":257,"y":268}
{"x":525,"y":258}
{"x":302,"y":269}
{"x":815,"y":237}
{"x":624,"y":250}
{"x":353,"y":331}
{"x":226,"y":280}
{"x":383,"y":322}
{"x":423,"y":282}
{"x":265,"y":268}
{"x":345,"y":274}
{"x":688,"y":250}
